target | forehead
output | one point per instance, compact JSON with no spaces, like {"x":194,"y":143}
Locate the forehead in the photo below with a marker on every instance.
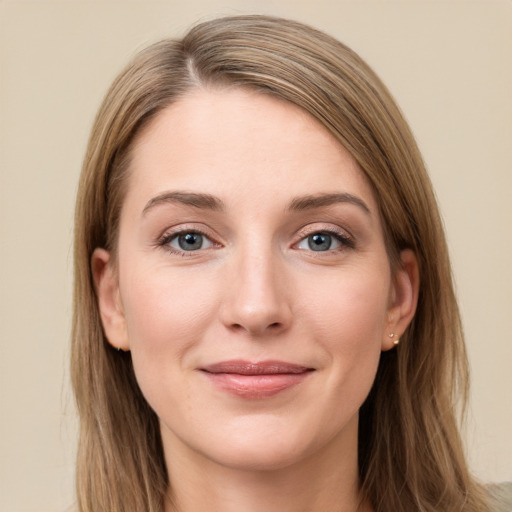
{"x":235,"y":142}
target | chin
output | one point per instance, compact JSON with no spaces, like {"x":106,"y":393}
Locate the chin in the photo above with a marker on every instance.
{"x":269,"y":457}
{"x":270,"y":445}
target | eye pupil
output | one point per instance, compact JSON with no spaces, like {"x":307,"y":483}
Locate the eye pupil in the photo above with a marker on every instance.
{"x":319,"y":242}
{"x":190,"y":241}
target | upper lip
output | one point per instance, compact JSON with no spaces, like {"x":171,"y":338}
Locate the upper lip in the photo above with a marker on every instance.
{"x":241,"y":367}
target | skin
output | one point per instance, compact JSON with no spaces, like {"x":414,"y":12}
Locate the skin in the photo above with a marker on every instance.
{"x":255,"y":291}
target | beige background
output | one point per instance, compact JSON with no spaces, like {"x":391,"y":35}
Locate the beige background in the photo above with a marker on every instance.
{"x":449,"y":64}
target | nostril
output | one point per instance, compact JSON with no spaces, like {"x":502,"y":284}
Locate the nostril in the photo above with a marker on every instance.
{"x":275,"y":326}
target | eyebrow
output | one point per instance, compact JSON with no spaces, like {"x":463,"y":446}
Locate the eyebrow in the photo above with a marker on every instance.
{"x":210,"y":202}
{"x":310,"y":202}
{"x":194,"y":199}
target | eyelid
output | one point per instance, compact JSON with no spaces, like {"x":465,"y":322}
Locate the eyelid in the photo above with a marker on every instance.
{"x":205,"y":241}
{"x":163,"y":241}
{"x":342,"y":235}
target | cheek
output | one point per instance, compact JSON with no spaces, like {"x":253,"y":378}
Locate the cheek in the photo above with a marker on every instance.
{"x":350,"y":333}
{"x":166,"y":313}
{"x":348,"y":320}
{"x":352,"y":304}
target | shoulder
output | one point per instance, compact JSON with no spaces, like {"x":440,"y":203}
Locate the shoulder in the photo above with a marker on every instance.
{"x":501,"y":496}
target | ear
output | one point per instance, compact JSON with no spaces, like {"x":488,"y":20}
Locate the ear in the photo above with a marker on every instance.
{"x":109,"y":299}
{"x":403,"y":299}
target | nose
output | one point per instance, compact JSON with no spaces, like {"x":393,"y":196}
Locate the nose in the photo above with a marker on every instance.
{"x":256,"y":299}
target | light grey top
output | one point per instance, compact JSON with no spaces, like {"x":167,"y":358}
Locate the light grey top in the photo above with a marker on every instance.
{"x":501,"y":496}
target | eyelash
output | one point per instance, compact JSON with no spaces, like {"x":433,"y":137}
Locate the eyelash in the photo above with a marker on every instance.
{"x":167,"y":238}
{"x":346,"y":241}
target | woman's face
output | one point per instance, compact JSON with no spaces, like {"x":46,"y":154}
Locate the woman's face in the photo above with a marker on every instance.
{"x":253,"y":287}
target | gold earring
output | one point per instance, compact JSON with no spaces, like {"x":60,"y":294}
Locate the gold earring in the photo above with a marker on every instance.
{"x":395,"y":342}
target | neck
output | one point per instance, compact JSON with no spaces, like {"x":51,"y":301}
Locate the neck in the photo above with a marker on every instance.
{"x":326,"y":481}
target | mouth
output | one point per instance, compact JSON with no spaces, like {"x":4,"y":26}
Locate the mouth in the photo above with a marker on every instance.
{"x":255,"y":380}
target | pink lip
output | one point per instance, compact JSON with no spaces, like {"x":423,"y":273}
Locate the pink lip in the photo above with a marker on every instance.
{"x":255,"y":380}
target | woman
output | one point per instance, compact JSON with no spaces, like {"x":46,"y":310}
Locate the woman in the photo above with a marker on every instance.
{"x":264,"y":314}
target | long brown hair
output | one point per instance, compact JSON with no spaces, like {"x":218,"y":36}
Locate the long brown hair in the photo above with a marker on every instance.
{"x":410,"y":453}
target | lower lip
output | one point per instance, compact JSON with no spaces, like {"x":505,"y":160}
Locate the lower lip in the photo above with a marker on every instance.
{"x":256,"y":386}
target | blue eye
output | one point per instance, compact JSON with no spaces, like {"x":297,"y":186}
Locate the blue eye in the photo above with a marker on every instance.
{"x":189,"y":241}
{"x":321,"y":242}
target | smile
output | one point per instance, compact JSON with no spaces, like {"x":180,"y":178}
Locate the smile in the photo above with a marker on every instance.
{"x":255,"y":380}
